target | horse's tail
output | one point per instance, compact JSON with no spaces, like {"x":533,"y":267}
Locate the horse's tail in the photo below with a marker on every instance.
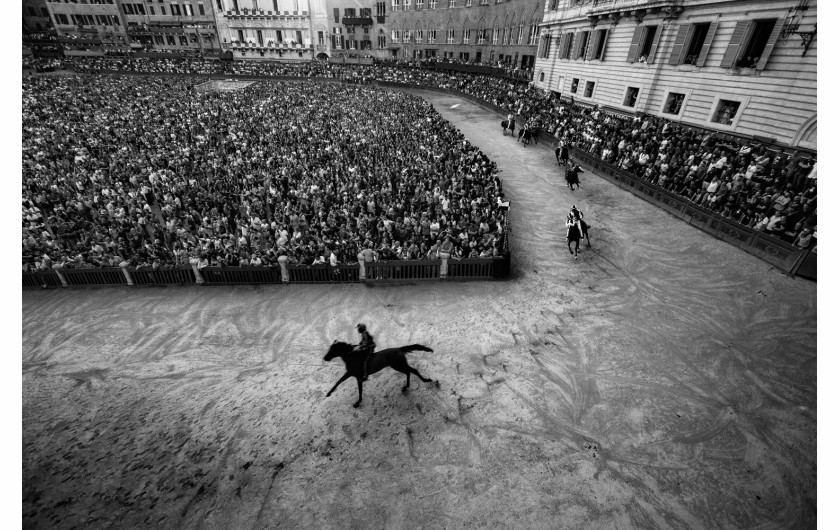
{"x":415,"y":347}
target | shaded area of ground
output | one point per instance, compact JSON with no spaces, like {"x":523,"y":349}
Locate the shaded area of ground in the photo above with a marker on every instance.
{"x":663,"y":380}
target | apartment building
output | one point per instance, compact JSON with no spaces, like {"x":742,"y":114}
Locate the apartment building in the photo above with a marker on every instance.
{"x":743,"y":67}
{"x":358,"y":28}
{"x":481,"y":31}
{"x":273,"y":29}
{"x":168,"y":25}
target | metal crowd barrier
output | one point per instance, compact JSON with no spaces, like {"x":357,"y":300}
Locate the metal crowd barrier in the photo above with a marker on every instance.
{"x":174,"y":276}
{"x":778,"y":253}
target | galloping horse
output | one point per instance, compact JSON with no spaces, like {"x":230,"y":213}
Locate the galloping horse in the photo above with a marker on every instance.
{"x":572,"y":175}
{"x":354,"y":362}
{"x":573,"y":235}
{"x":508,"y":125}
{"x":526,"y":135}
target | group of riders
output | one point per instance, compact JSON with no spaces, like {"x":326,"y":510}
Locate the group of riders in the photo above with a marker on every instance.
{"x":576,"y":228}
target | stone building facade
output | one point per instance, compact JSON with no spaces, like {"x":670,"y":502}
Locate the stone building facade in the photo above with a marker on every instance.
{"x":358,"y":28}
{"x":747,"y":68}
{"x":90,"y":24}
{"x":481,"y":31}
{"x":36,"y":16}
{"x":273,"y":29}
{"x":171,"y":26}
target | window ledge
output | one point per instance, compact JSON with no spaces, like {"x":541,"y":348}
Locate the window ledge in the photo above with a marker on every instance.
{"x":744,"y":72}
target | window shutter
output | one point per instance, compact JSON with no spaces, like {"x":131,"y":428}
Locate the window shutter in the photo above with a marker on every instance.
{"x":578,"y":44}
{"x":541,"y":47}
{"x":564,"y":42}
{"x":633,"y":54}
{"x":547,"y":49}
{"x":771,"y":42}
{"x":593,"y":39}
{"x":655,"y":44}
{"x":707,"y":44}
{"x":679,"y":44}
{"x":335,"y":14}
{"x":731,"y":54}
{"x":604,"y":34}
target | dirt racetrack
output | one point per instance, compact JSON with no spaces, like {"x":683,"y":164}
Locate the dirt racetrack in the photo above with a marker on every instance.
{"x":663,"y":380}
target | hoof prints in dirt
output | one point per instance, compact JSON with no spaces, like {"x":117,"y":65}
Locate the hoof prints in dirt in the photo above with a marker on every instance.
{"x":592,"y":448}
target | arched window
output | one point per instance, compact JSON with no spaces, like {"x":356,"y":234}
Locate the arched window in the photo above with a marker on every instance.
{"x":542,"y":77}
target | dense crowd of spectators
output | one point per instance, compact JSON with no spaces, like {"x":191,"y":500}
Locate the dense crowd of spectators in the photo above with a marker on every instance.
{"x":124,"y":168}
{"x":746,"y":182}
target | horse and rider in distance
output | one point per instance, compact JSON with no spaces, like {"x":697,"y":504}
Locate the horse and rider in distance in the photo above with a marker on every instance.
{"x":576,"y":229}
{"x":527,"y":133}
{"x":361,"y":360}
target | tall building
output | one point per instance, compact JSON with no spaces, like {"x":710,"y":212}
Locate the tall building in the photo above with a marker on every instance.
{"x":488,"y":31}
{"x":743,"y":67}
{"x":156,"y":26}
{"x":36,"y":16}
{"x":88,"y":25}
{"x":273,"y":29}
{"x":358,"y":28}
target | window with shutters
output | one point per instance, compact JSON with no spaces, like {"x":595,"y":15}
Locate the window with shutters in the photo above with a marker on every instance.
{"x":464,"y":56}
{"x":450,"y":36}
{"x":466,"y":39}
{"x":496,"y":36}
{"x":451,"y":3}
{"x":692,"y":43}
{"x":673,"y":103}
{"x":590,"y":88}
{"x":644,"y":43}
{"x":630,"y":96}
{"x":432,"y":4}
{"x":695,"y":44}
{"x":566,"y":45}
{"x":647,"y":44}
{"x":546,"y":44}
{"x":756,"y":43}
{"x":726,"y":111}
{"x":575,"y":82}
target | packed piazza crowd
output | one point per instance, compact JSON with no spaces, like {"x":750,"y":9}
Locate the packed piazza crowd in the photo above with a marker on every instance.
{"x":124,"y":168}
{"x":766,"y":190}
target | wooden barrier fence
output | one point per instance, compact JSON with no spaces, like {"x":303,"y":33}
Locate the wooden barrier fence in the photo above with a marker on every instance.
{"x":379,"y":271}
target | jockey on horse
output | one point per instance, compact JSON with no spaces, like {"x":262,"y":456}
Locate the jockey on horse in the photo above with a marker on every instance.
{"x":575,"y":220}
{"x":365,"y":346}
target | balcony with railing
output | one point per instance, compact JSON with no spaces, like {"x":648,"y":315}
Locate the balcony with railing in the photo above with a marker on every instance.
{"x":262,"y":13}
{"x":357,"y":21}
{"x":605,"y":7}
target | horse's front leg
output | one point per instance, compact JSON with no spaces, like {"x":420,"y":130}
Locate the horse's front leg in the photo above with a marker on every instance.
{"x":343,"y":379}
{"x":356,"y":404}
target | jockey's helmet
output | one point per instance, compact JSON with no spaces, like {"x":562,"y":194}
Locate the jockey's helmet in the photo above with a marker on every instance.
{"x":361,"y":328}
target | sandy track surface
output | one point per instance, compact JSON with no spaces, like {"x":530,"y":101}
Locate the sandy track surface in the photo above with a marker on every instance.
{"x":663,"y":380}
